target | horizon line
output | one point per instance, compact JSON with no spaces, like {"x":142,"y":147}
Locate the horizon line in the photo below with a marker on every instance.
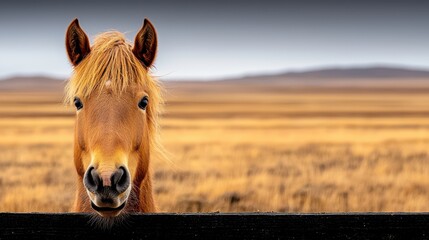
{"x":243,"y":75}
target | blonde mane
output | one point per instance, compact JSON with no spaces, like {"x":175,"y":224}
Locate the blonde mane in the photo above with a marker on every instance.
{"x":111,"y":59}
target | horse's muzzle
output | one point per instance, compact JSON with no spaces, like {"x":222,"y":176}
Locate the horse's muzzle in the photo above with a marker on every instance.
{"x":109,"y":191}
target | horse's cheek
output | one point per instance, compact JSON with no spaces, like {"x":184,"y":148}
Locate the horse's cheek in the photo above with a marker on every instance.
{"x":86,"y":160}
{"x":132,"y":164}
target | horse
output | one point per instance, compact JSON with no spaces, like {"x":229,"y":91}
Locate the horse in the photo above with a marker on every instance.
{"x":117,"y":105}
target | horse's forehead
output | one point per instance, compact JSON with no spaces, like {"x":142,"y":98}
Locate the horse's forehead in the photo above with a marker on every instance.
{"x":108,"y":84}
{"x":133,"y":87}
{"x":111,"y":108}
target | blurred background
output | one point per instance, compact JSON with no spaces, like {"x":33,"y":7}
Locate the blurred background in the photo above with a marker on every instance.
{"x":289,"y":106}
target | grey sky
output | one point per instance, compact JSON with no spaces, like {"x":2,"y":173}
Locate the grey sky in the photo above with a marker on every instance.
{"x":214,"y":39}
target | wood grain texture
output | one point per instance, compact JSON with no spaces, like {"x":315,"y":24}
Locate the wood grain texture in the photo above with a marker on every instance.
{"x":220,"y":226}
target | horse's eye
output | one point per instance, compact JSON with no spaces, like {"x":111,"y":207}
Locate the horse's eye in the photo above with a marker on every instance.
{"x":78,"y":104}
{"x":143,"y":103}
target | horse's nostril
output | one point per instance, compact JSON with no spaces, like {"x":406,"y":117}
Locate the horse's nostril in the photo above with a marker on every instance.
{"x":116,"y":177}
{"x":121,"y":180}
{"x":91,"y":180}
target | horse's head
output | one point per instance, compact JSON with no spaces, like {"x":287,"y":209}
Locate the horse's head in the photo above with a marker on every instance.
{"x":116,"y":107}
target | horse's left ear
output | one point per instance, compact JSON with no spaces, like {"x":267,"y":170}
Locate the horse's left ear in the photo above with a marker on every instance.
{"x":145,"y":44}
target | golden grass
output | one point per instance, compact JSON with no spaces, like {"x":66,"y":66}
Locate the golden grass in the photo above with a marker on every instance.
{"x":304,"y":151}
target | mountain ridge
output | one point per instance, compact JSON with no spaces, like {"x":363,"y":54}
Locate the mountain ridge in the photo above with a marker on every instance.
{"x":348,"y":73}
{"x":36,"y":83}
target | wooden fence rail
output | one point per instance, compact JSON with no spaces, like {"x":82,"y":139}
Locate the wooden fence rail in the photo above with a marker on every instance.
{"x":219,"y":226}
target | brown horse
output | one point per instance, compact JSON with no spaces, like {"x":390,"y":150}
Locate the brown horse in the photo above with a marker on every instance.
{"x":117,"y":105}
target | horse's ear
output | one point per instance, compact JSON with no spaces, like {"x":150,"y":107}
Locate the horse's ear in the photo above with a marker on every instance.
{"x":77,"y":43}
{"x":145,"y":44}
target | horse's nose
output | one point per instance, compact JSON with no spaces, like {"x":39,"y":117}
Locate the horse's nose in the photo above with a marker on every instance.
{"x":107,"y":183}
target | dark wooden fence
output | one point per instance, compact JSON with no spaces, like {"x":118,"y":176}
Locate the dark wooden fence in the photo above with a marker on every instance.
{"x":218,"y":226}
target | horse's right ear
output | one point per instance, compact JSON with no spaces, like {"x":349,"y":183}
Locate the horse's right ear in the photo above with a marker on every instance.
{"x":77,"y":43}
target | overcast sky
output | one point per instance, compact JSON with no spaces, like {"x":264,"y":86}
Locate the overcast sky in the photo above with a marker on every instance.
{"x":215,"y":39}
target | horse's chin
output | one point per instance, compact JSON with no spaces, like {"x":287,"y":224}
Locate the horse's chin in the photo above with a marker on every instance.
{"x":108,"y":212}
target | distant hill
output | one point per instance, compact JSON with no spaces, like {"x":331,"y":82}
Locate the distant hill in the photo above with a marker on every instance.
{"x":37,"y":83}
{"x":374,"y":74}
{"x":348,"y":73}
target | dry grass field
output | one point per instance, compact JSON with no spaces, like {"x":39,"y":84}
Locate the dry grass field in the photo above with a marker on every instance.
{"x":285,"y":147}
